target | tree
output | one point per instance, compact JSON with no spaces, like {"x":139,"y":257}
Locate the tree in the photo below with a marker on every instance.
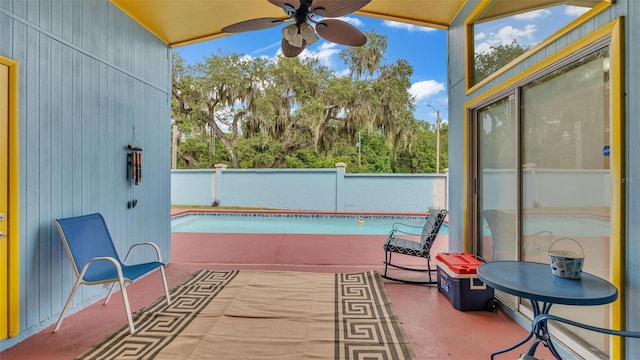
{"x":270,"y":113}
{"x":216,"y":96}
{"x":385,"y":102}
{"x":487,"y":63}
{"x":421,"y":157}
{"x":295,"y":107}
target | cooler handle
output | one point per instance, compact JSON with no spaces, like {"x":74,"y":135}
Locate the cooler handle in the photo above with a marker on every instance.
{"x":473,"y":286}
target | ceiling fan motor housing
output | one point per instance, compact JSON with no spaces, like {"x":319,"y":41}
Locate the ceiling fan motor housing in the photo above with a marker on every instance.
{"x":296,"y":36}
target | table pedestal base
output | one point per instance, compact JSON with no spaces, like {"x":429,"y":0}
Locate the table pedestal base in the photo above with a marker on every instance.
{"x":540,"y":331}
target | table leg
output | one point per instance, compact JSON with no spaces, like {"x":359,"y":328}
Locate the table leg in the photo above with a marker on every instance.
{"x":541,"y":333}
{"x":532,"y":349}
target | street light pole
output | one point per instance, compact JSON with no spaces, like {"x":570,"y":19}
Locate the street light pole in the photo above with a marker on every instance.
{"x":437,"y":141}
{"x":437,"y":138}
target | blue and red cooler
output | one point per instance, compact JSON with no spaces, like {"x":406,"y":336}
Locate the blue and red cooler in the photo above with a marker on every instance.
{"x":458,"y":281}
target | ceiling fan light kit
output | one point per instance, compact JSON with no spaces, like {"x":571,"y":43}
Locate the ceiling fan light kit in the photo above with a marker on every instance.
{"x":308,"y":33}
{"x":298,"y":35}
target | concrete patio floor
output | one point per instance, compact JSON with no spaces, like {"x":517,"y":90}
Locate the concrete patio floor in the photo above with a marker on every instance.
{"x":435,"y":329}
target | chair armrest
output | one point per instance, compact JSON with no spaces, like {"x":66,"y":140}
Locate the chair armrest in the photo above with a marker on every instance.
{"x":623,"y":333}
{"x":398,"y":231}
{"x":398,"y":225}
{"x":147,"y":243}
{"x":114,"y":261}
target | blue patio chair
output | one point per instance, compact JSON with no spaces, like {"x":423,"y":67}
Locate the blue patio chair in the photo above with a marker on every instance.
{"x":395,"y":243}
{"x":95,"y":260}
{"x":541,"y":320}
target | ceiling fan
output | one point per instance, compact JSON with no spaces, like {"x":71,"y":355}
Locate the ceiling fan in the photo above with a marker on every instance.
{"x":296,"y":36}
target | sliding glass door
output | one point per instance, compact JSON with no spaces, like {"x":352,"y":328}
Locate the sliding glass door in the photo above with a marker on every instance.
{"x":566,"y":187}
{"x":543,"y":177}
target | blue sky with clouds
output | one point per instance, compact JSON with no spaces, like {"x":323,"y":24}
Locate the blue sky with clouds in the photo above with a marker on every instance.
{"x":424,"y":48}
{"x":528,"y":29}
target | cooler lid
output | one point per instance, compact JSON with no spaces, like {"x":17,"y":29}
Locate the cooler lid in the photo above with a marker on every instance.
{"x":459,"y":263}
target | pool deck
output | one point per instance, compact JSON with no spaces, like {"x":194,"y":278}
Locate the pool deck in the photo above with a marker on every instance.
{"x":435,"y":329}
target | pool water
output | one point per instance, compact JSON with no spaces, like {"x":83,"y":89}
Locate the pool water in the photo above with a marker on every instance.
{"x":567,"y":225}
{"x":293,"y":224}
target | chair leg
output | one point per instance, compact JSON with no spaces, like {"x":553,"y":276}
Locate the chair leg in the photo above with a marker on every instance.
{"x":113,"y":284}
{"x":127,"y":308}
{"x":387,"y":260}
{"x":428,"y":270}
{"x":66,"y":304}
{"x":164,"y":282}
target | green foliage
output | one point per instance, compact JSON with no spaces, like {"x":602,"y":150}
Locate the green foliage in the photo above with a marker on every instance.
{"x":487,"y":63}
{"x":297,"y":113}
{"x":421,"y":158}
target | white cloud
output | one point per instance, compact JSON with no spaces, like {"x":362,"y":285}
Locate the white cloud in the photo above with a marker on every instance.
{"x":483,"y":47}
{"x":325,"y":53}
{"x":575,"y":10}
{"x":536,"y":14}
{"x":425,"y":89}
{"x":404,"y":26}
{"x":480,"y":36}
{"x":352,"y":20}
{"x":506,"y":35}
{"x":246,"y":58}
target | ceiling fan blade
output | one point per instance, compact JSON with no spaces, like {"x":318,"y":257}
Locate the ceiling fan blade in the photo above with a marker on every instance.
{"x":281,"y":3}
{"x":336,"y":8}
{"x":340,"y":32}
{"x":291,"y":51}
{"x":253,"y":24}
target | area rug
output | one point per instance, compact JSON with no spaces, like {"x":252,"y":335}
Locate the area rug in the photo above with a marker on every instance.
{"x":265,"y":315}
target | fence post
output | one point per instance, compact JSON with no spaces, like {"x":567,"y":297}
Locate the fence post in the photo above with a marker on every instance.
{"x":340,"y":170}
{"x":216,"y":188}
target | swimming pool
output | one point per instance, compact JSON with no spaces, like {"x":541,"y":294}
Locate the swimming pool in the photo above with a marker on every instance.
{"x":292,"y":223}
{"x":563,"y":225}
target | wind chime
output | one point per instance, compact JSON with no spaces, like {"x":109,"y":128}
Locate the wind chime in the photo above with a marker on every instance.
{"x":134,"y":168}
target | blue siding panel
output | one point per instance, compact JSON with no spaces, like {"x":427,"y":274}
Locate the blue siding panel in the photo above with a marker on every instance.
{"x":87,"y":74}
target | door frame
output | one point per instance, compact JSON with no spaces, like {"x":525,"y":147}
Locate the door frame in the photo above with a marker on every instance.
{"x":13,"y":238}
{"x":611,"y":33}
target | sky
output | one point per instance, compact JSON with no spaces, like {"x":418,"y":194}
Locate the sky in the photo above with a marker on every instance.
{"x":424,"y":48}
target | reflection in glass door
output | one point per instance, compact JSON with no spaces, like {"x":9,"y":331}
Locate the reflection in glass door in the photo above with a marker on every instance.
{"x":566,"y":183}
{"x":497,"y":180}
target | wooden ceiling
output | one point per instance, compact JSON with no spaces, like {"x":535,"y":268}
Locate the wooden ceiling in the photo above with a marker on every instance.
{"x":184,"y":22}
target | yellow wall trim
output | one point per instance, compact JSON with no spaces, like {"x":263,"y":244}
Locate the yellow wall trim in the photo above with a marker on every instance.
{"x":618,"y":187}
{"x":13,"y":213}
